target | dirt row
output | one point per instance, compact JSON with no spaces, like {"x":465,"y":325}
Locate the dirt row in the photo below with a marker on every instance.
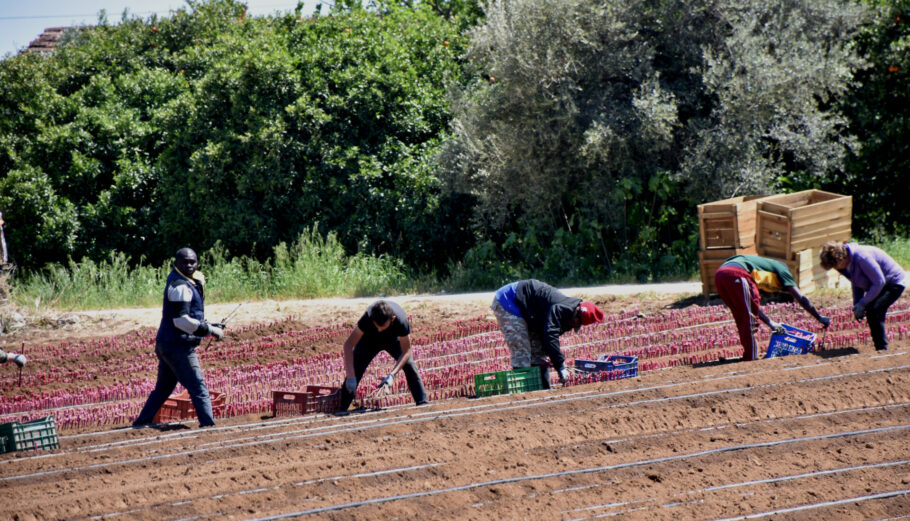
{"x":796,"y":437}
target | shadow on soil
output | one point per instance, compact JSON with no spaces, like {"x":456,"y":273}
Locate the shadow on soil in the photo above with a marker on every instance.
{"x":834,"y":353}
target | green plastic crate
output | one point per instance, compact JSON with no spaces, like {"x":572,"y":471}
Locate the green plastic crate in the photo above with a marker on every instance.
{"x":490,"y":384}
{"x":524,"y":379}
{"x":505,"y":382}
{"x":34,"y":435}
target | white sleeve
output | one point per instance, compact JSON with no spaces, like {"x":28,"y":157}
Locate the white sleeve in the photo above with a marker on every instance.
{"x":182,"y":293}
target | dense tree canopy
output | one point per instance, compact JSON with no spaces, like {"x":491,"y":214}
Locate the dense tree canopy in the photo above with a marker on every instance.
{"x":597,"y":117}
{"x":564,"y":139}
{"x":213,"y":126}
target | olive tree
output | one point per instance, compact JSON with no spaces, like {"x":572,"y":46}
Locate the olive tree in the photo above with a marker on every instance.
{"x":614,"y":116}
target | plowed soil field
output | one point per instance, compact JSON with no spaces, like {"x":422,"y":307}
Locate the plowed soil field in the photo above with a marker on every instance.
{"x":816,"y":436}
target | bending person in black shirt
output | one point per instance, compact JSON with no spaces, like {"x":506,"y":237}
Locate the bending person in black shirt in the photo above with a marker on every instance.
{"x":383,"y":327}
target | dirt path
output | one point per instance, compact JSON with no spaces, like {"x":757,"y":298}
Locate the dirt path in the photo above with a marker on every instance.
{"x":56,"y":326}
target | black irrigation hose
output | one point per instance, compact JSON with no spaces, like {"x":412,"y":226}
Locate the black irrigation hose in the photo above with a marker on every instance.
{"x":417,"y":467}
{"x":823,"y":504}
{"x":591,"y":470}
{"x":780,"y":479}
{"x":429,"y":416}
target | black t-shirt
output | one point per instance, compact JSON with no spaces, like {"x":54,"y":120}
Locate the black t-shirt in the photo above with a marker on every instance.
{"x":398,"y":328}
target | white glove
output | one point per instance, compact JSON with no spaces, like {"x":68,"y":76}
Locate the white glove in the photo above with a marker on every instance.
{"x":350,"y":384}
{"x":563,"y":375}
{"x":18,"y":359}
{"x":777,"y":328}
{"x":386,"y":382}
{"x":216,"y":331}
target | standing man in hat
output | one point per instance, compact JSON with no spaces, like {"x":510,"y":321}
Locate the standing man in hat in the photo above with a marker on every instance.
{"x":182,"y":328}
{"x":532,"y":315}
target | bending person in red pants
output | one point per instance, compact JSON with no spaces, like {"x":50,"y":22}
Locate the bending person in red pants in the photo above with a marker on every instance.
{"x":738,"y":281}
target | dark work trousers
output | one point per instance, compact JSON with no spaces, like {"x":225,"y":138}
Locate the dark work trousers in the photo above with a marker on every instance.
{"x":365,"y":352}
{"x":178,"y":364}
{"x":876,"y":311}
{"x":740,"y":294}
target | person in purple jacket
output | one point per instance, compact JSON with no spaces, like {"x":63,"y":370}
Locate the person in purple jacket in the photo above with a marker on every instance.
{"x":877,"y":281}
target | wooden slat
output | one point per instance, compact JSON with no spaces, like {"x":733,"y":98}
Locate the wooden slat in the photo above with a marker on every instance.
{"x":841,"y":234}
{"x":839,"y":206}
{"x":820,"y":230}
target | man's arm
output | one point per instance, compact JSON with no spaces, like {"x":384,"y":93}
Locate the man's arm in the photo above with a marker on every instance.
{"x":405,"y":353}
{"x":349,"y":344}
{"x":550,"y":339}
{"x":804,"y":302}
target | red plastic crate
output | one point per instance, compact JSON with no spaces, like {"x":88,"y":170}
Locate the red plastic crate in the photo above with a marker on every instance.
{"x":316,"y":398}
{"x":180,"y":407}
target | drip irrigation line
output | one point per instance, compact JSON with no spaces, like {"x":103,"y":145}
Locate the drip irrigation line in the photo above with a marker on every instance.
{"x":416,"y":467}
{"x":823,"y":504}
{"x":780,"y":479}
{"x":591,"y":470}
{"x":276,"y":487}
{"x":413,"y":418}
{"x":749,"y":388}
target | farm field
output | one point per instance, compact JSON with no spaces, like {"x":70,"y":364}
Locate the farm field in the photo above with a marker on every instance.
{"x":817,"y":436}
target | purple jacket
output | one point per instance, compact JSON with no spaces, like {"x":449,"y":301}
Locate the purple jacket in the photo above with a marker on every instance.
{"x":868,"y":270}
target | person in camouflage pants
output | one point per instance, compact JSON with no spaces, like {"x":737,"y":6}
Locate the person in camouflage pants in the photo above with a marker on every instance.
{"x":532,"y":315}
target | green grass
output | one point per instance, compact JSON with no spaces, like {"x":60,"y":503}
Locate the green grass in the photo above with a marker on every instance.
{"x":898,"y":248}
{"x":312,"y":267}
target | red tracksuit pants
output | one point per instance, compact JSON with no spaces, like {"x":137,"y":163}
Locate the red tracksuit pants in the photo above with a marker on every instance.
{"x":739,"y":292}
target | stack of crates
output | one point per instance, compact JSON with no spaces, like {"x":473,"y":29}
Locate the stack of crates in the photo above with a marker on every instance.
{"x":38,"y":434}
{"x":792,"y":228}
{"x":507,"y":382}
{"x":786,"y":227}
{"x":726,"y":228}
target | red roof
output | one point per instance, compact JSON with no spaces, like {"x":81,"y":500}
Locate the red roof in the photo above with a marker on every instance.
{"x":47,"y":41}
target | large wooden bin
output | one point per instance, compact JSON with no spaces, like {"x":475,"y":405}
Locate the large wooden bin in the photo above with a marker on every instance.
{"x":710,"y":260}
{"x":790,"y":223}
{"x":729,"y":223}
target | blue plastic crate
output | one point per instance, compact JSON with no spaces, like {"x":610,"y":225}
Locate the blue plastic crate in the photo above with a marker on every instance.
{"x":628,"y":365}
{"x":795,"y":342}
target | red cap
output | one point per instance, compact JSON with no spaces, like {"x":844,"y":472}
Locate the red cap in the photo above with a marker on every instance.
{"x":590,"y":314}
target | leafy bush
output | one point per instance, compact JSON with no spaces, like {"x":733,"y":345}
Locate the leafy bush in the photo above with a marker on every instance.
{"x":589,"y":129}
{"x":211,"y":126}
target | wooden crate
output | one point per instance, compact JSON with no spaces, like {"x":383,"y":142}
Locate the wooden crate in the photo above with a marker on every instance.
{"x":729,"y":223}
{"x":810,"y":275}
{"x":806,"y":269}
{"x":710,"y":260}
{"x":790,"y":223}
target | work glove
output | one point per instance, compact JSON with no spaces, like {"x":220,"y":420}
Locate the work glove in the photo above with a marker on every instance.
{"x":350,"y":384}
{"x":777,"y":328}
{"x":825,"y":321}
{"x":219,"y":324}
{"x":3,"y":357}
{"x":18,"y":359}
{"x":216,"y":331}
{"x":386,"y":382}
{"x":859,"y":311}
{"x":563,"y":375}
